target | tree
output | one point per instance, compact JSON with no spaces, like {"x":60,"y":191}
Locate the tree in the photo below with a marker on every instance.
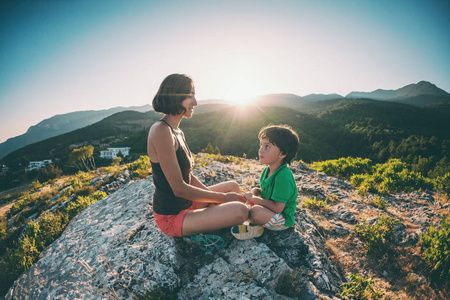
{"x":83,"y":158}
{"x":210,"y":149}
{"x":48,"y":173}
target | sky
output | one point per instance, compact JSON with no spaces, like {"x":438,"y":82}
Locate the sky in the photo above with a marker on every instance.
{"x":60,"y":56}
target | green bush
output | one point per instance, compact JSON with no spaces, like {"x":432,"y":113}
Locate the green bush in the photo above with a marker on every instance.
{"x":436,"y":250}
{"x":81,"y":202}
{"x":379,"y":202}
{"x":141,"y":167}
{"x":16,"y":262}
{"x":313,"y":203}
{"x":360,"y":288}
{"x":48,"y":173}
{"x":210,"y":149}
{"x":390,"y":177}
{"x":344,"y":168}
{"x":442,"y":183}
{"x":377,"y":236}
{"x":393,"y":176}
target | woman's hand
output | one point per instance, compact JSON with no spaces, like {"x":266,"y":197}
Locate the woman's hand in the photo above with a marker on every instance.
{"x":231,"y":196}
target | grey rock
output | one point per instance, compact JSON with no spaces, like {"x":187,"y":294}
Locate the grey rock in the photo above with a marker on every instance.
{"x":113,"y":249}
{"x":340,"y":212}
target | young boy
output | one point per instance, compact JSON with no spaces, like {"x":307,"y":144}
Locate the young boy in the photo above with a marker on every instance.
{"x":275,"y":203}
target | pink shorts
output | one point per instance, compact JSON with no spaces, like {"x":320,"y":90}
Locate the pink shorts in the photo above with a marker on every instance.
{"x":172,"y":224}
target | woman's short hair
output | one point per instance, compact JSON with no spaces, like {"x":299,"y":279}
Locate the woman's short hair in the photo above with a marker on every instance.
{"x":284,"y":137}
{"x":174,"y":89}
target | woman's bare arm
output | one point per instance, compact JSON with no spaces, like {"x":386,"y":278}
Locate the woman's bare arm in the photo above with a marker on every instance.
{"x":166,"y":156}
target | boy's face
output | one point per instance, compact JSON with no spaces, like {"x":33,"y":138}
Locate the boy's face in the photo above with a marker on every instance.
{"x":269,"y":153}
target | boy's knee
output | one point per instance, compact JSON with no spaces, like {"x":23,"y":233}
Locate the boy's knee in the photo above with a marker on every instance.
{"x":256,"y":214}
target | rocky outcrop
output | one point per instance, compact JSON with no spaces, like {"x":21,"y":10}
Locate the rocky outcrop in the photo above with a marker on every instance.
{"x":113,"y":249}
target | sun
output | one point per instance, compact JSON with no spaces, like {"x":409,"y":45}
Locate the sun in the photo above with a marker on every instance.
{"x":241,"y":91}
{"x":241,"y":80}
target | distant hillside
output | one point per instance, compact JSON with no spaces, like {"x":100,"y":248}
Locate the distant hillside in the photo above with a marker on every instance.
{"x":328,"y":129}
{"x":291,"y":100}
{"x":61,"y":124}
{"x":419,"y":94}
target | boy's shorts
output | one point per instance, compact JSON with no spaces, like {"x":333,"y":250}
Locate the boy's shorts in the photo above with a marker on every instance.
{"x":276,"y":223}
{"x":172,"y":224}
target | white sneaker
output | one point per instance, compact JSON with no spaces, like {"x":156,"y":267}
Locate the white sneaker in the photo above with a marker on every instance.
{"x":244,"y":232}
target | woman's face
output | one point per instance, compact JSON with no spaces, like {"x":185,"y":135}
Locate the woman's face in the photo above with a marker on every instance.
{"x":189,"y":104}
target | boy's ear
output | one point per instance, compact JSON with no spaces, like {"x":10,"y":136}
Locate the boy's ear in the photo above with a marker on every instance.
{"x":282,"y":155}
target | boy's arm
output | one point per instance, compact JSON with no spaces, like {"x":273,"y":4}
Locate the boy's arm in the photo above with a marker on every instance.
{"x":275,"y":206}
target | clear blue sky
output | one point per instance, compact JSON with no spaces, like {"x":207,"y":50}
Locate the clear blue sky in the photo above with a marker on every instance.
{"x":62,"y":56}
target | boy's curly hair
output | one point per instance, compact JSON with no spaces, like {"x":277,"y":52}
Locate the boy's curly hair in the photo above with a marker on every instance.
{"x":284,"y":137}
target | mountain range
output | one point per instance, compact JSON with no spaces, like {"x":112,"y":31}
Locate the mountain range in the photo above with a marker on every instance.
{"x":61,"y":124}
{"x":420,"y":94}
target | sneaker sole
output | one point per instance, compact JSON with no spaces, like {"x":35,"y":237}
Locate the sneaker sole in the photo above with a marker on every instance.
{"x":245,"y":232}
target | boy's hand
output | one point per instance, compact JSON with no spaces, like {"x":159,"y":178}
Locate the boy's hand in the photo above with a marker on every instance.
{"x":248,"y":195}
{"x":256,"y":192}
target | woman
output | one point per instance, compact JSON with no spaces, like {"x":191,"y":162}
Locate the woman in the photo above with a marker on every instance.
{"x":182,"y":205}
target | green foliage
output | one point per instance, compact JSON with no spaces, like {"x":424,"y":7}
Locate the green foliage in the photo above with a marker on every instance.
{"x":35,"y":185}
{"x":442,"y":183}
{"x":116,"y":160}
{"x":17,"y":261}
{"x":436,"y":250}
{"x":344,"y":168}
{"x":390,"y":177}
{"x":379,"y":202}
{"x":204,"y":159}
{"x":141,"y":167}
{"x":48,"y":173}
{"x":83,"y":158}
{"x":81,"y":202}
{"x":2,"y":228}
{"x":313,"y":203}
{"x":377,"y":236}
{"x":360,"y":288}
{"x":210,"y":149}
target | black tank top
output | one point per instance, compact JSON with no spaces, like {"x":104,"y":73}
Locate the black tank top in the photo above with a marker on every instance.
{"x":164,"y":200}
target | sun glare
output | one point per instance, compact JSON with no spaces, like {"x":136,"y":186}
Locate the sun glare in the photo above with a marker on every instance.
{"x":242,"y":80}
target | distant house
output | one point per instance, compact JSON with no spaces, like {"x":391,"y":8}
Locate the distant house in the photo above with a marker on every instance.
{"x":3,"y":169}
{"x":112,"y":152}
{"x":37,"y":165}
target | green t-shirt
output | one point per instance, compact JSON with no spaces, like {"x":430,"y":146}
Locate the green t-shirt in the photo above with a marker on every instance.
{"x":281,"y":187}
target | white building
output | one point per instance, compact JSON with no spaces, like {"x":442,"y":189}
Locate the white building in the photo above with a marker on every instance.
{"x":112,"y":152}
{"x":37,"y":165}
{"x":3,"y":169}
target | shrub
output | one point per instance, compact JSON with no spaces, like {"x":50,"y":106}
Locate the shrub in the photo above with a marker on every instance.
{"x":343,"y":168}
{"x":377,"y":236}
{"x":16,"y":262}
{"x":210,"y":149}
{"x":35,"y":185}
{"x":379,"y":202}
{"x":48,"y":173}
{"x":436,"y":250}
{"x":116,"y":161}
{"x":313,"y":203}
{"x":141,"y":167}
{"x":442,"y":183}
{"x":360,"y":288}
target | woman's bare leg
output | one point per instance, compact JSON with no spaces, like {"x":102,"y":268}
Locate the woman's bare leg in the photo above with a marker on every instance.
{"x":223,"y":187}
{"x":214,"y":218}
